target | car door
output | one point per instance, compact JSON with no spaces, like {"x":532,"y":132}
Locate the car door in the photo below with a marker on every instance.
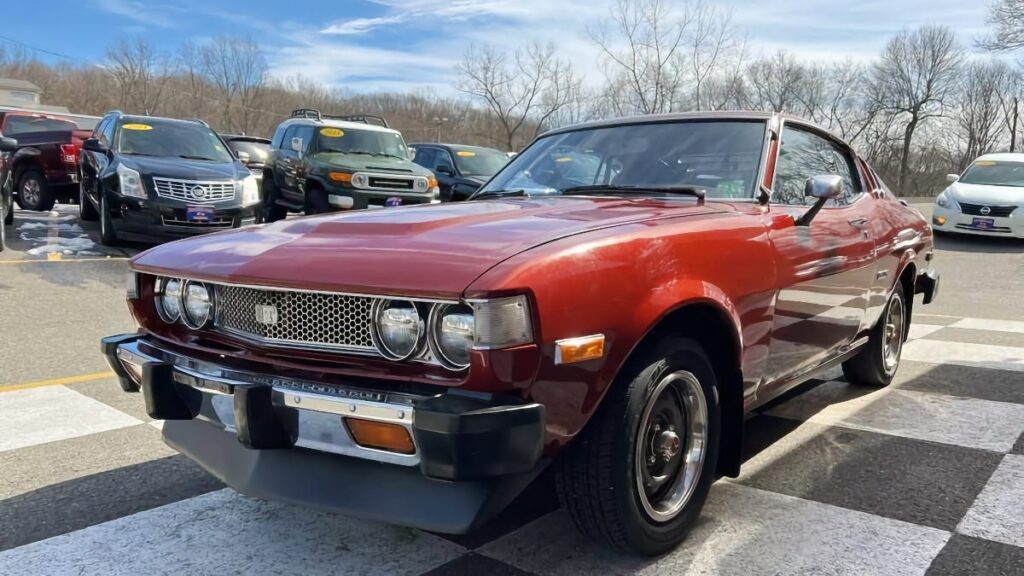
{"x":284,"y":165}
{"x":826,"y":269}
{"x":96,"y":162}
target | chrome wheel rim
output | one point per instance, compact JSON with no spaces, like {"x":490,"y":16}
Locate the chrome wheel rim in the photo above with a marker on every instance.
{"x":671,"y":445}
{"x":892,"y":340}
{"x":30,"y":191}
{"x":103,"y":216}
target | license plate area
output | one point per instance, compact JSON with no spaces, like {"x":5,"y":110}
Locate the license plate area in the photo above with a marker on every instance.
{"x":983,"y":223}
{"x":199,"y":213}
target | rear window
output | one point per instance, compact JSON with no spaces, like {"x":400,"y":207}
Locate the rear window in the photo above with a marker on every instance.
{"x":28,"y":124}
{"x":257,"y":151}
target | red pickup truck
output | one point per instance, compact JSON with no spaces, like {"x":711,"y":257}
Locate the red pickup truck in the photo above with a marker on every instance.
{"x":45,"y":165}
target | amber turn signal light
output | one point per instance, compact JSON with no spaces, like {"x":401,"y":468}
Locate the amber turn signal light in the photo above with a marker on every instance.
{"x":579,"y":349}
{"x":340,"y":176}
{"x":380,"y":435}
{"x":940,"y":220}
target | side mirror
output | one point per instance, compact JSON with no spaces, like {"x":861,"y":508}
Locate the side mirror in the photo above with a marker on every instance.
{"x":824,"y":188}
{"x":243,"y":157}
{"x":8,"y":144}
{"x":444,"y":169}
{"x":952,"y":178}
{"x":297,"y":144}
{"x":94,"y":145}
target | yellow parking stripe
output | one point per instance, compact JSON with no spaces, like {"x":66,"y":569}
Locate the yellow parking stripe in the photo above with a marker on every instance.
{"x":56,"y":381}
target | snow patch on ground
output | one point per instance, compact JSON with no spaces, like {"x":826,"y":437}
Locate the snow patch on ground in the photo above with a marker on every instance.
{"x":59,"y":226}
{"x":66,"y":246}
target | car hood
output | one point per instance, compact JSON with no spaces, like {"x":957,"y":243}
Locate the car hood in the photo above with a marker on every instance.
{"x":432,"y":250}
{"x":982,"y":194}
{"x":184,"y":169}
{"x":364,"y":163}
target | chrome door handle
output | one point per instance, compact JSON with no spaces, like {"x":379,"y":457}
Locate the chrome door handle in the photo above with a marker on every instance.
{"x":858,"y":222}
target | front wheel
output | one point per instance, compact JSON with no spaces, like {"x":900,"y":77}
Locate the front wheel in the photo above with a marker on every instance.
{"x":108,"y":236}
{"x":86,"y":211}
{"x":875,"y":365}
{"x":638,"y":475}
{"x":272,"y":211}
{"x":8,"y":205}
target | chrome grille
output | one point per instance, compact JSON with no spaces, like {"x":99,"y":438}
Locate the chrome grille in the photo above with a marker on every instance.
{"x":391,"y":183}
{"x":194,"y":190}
{"x":225,"y":222}
{"x":303,"y":319}
{"x":993,"y":211}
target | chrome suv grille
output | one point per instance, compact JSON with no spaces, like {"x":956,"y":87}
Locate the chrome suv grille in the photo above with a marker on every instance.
{"x":391,"y":182}
{"x":194,"y":190}
{"x":993,"y":211}
{"x":297,"y":319}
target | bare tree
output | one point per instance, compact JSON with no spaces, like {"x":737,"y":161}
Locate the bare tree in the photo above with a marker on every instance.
{"x":979,"y":117}
{"x":914,"y":77}
{"x":1007,"y":17}
{"x":530,"y":88}
{"x":238,"y":69}
{"x":775,"y":83}
{"x":712,"y":40}
{"x":140,"y":72}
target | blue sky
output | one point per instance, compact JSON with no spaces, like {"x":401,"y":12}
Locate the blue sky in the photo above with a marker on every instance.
{"x":368,"y":45}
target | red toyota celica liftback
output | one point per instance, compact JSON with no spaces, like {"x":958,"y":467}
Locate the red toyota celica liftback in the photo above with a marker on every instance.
{"x":611,"y":304}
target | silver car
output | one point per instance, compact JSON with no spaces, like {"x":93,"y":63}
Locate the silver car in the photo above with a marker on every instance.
{"x":987,"y":199}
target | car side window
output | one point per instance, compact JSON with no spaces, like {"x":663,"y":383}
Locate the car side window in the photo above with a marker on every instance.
{"x":277,"y":142}
{"x":443,"y":159}
{"x":107,"y":135}
{"x":98,"y":130}
{"x":304,"y":132}
{"x":425,"y":157}
{"x":803,"y":155}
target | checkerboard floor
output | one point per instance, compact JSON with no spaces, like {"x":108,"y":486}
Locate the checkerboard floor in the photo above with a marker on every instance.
{"x":924,"y":477}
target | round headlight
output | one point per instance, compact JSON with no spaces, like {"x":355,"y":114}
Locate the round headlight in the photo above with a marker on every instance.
{"x":452,"y":332}
{"x":360,"y":180}
{"x":421,"y":184}
{"x":198,"y":305}
{"x":169,"y":301}
{"x":398,"y":328}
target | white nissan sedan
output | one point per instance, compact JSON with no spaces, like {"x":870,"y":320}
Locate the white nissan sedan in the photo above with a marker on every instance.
{"x":987,"y":199}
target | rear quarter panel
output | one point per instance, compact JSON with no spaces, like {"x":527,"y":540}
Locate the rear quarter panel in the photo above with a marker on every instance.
{"x":621,"y":281}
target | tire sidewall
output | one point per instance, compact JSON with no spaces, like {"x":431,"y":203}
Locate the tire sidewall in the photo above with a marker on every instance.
{"x":42,"y":201}
{"x":644,"y":533}
{"x":888,"y":375}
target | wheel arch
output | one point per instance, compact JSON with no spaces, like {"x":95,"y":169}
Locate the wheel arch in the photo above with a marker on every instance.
{"x":907,"y":279}
{"x":715,"y":327}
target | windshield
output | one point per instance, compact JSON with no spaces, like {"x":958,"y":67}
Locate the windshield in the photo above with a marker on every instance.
{"x":991,"y":173}
{"x":720,"y":156}
{"x":354,"y":141}
{"x":257,"y":151}
{"x":175,"y":139}
{"x":480,"y":162}
{"x":27,"y":124}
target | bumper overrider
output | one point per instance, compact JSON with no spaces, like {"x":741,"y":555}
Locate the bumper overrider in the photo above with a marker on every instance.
{"x":928,"y":284}
{"x":291,"y":440}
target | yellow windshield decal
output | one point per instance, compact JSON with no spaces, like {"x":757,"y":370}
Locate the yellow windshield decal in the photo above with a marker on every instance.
{"x":332,"y":132}
{"x":465,"y":153}
{"x":985,"y":163}
{"x":137,"y":127}
{"x":563,"y":159}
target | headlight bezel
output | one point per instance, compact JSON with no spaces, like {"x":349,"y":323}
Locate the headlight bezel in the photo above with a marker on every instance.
{"x":185,"y":314}
{"x":127,"y":187}
{"x":378,"y":308}
{"x":943,"y":200}
{"x":160,"y":297}
{"x":434,"y":335}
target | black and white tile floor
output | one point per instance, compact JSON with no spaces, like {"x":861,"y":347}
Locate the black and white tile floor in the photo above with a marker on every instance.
{"x":925,"y":477}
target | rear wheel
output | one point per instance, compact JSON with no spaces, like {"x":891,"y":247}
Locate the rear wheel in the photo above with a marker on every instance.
{"x":272,"y":211}
{"x":86,"y":211}
{"x":4,"y":209}
{"x":316,"y":201}
{"x":7,"y":198}
{"x":638,"y":475}
{"x":33,"y":192}
{"x":876,"y":363}
{"x":108,"y":236}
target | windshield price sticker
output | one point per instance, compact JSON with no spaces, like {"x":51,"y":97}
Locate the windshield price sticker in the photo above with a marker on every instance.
{"x":332,"y":132}
{"x":137,"y":127}
{"x":465,"y":153}
{"x":985,"y":163}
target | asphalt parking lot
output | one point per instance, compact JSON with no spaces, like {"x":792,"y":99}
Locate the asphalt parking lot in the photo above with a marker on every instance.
{"x":925,"y":477}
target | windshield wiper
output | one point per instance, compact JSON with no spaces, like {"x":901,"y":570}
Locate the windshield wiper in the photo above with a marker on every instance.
{"x":695,"y":191}
{"x":191,"y":157}
{"x":501,"y":193}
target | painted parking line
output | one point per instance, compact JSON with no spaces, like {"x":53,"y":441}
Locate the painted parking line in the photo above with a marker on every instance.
{"x":1015,"y":326}
{"x":65,"y":260}
{"x":56,"y":381}
{"x":965,"y":354}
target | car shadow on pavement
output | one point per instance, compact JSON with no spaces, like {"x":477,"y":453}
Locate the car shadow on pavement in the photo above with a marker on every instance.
{"x":978,"y":244}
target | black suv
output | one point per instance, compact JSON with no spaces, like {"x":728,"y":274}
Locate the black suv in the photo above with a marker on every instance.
{"x":156,"y":178}
{"x":321,"y":163}
{"x":7,"y":145}
{"x":460,"y":170}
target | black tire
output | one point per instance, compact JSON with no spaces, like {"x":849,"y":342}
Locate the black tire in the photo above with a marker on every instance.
{"x":316,"y":201}
{"x":8,"y":199}
{"x":272,"y":211}
{"x":597,"y":474}
{"x":5,"y":208}
{"x":86,"y":211}
{"x":876,"y":363}
{"x":34,"y":193}
{"x":108,"y":236}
